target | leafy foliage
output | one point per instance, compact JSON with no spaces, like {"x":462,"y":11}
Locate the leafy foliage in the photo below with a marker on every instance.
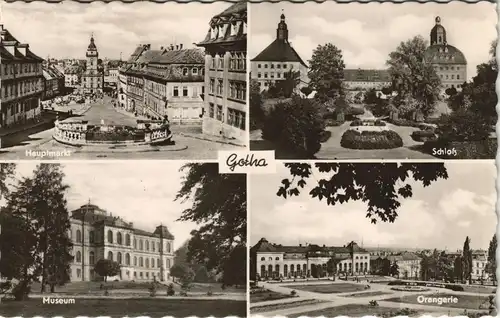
{"x":295,"y":126}
{"x":380,"y":185}
{"x":326,"y":71}
{"x":256,"y":104}
{"x":284,"y":88}
{"x":107,"y":267}
{"x":413,"y":76}
{"x":464,"y":125}
{"x":6,"y":171}
{"x":219,"y":205}
{"x":492,"y":260}
{"x":467,"y":261}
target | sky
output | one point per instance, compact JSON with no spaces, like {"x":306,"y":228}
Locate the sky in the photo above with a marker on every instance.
{"x":142,"y":193}
{"x":63,"y":30}
{"x":367,"y":33}
{"x":439,"y":216}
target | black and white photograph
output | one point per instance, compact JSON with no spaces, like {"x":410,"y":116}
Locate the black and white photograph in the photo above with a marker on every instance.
{"x":373,"y":80}
{"x":122,"y":80}
{"x":374,"y":239}
{"x":87,"y":239}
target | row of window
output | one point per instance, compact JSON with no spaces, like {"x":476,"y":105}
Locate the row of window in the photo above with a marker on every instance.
{"x":21,"y":68}
{"x":452,"y":76}
{"x":278,"y":258}
{"x":272,"y":65}
{"x":237,"y":61}
{"x":236,"y":118}
{"x":18,"y":108}
{"x":213,"y":89}
{"x":447,"y":68}
{"x":120,"y":240}
{"x":238,"y":90}
{"x":183,"y":91}
{"x":21,"y":88}
{"x":146,"y":274}
{"x":141,"y":262}
{"x":219,"y":31}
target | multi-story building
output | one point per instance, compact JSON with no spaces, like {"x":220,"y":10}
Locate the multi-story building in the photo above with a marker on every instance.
{"x":448,"y":61}
{"x":92,"y":78}
{"x":97,"y":234}
{"x":21,"y":81}
{"x":278,"y":261}
{"x":479,"y":266}
{"x":166,"y":82}
{"x":72,"y":76}
{"x":364,"y":79}
{"x":225,"y":74}
{"x":53,"y":81}
{"x":111,"y":76}
{"x":278,"y":59}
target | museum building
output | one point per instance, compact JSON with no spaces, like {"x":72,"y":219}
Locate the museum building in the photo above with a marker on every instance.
{"x":96,"y":234}
{"x":279,"y":261}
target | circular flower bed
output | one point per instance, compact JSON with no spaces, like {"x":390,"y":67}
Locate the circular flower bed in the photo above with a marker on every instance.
{"x":410,"y":289}
{"x":359,"y":122}
{"x":387,"y":139}
{"x":424,"y":135}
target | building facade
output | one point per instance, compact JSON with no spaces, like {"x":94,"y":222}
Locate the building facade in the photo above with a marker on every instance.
{"x":277,"y":60}
{"x":72,"y":75}
{"x":21,"y":81}
{"x":225,"y":95}
{"x":365,"y":79}
{"x":165,"y":82}
{"x":54,"y":82}
{"x":479,"y":266}
{"x":448,"y":61}
{"x":97,"y":235}
{"x":92,"y":78}
{"x":278,"y":261}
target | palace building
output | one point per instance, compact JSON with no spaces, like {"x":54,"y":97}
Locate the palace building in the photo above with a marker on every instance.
{"x":365,"y":79}
{"x":225,"y":107}
{"x":21,"y":81}
{"x":448,"y":61}
{"x":93,"y":77}
{"x":97,"y":234}
{"x":278,"y":59}
{"x":278,"y":261}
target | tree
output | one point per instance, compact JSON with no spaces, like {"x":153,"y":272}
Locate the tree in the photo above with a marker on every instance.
{"x":234,"y":269}
{"x":457,"y":269}
{"x":314,"y":270}
{"x":219,"y":204}
{"x":413,"y":76}
{"x":306,"y":90}
{"x":331,"y":266}
{"x":285,"y":88}
{"x":257,"y":114}
{"x":371,"y":97}
{"x":492,"y":260}
{"x":178,"y":270}
{"x":6,"y":172}
{"x":451,"y":91}
{"x":326,"y":71}
{"x":295,"y":126}
{"x":467,"y":261}
{"x":394,"y":271}
{"x":380,"y":185}
{"x":201,"y":275}
{"x":187,"y":279}
{"x":464,"y":125}
{"x":107,"y":268}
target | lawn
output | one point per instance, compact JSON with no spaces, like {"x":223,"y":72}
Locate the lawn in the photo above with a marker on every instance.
{"x":479,"y":289}
{"x":267,"y":295}
{"x":93,"y":287}
{"x":274,"y":307}
{"x":334,"y":288}
{"x":367,"y":294}
{"x":355,"y":310}
{"x":126,"y":307}
{"x":464,"y":301}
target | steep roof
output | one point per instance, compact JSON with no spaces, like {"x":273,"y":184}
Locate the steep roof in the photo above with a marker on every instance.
{"x":184,"y":56}
{"x":444,"y":54}
{"x":236,"y":12}
{"x":279,"y":51}
{"x":366,"y":75}
{"x":264,"y":246}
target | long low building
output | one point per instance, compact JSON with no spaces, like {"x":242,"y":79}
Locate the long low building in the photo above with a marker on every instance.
{"x":278,"y":261}
{"x":96,"y":234}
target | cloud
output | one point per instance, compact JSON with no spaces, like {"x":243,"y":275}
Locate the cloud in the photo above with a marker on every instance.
{"x":63,"y":29}
{"x":367,"y":33}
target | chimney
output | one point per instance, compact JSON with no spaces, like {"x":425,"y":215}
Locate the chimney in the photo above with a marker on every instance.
{"x":171,"y":47}
{"x":161,"y":48}
{"x":176,"y":47}
{"x":300,"y":245}
{"x":180,"y":46}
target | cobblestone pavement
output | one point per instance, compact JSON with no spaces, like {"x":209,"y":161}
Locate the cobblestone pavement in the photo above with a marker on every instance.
{"x":191,"y":144}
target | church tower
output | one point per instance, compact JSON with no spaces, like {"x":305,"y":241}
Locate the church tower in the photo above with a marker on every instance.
{"x":92,"y":79}
{"x":438,"y":33}
{"x":282,"y":30}
{"x":92,"y":56}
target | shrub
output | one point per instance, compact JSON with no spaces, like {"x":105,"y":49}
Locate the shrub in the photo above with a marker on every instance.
{"x":380,"y":123}
{"x":482,"y":149}
{"x":209,"y":292}
{"x":354,"y":111}
{"x":152,"y":290}
{"x":387,"y":139}
{"x":404,"y":122}
{"x":325,"y":135}
{"x":423,"y":135}
{"x":170,"y":290}
{"x":293,"y":293}
{"x":333,"y":122}
{"x":356,"y":123}
{"x":21,"y":290}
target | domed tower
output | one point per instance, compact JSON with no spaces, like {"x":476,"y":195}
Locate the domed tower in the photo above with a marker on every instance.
{"x":282,"y":30}
{"x":438,"y":33}
{"x":92,"y":55}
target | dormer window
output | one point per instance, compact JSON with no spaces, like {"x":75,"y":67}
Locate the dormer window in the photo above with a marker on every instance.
{"x":234,"y":28}
{"x":222,"y":30}
{"x":185,"y":71}
{"x":194,"y":71}
{"x":213,"y":33}
{"x":244,"y":28}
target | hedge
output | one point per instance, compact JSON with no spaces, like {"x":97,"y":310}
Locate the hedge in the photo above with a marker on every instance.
{"x":333,"y":122}
{"x":479,"y":149}
{"x":380,"y":123}
{"x":387,"y":139}
{"x":356,"y":123}
{"x":428,"y":284}
{"x":423,"y":135}
{"x":359,"y":122}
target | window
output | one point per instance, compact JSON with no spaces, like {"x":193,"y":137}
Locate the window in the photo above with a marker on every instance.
{"x":212,"y":65}
{"x":127,"y":259}
{"x":147,"y":262}
{"x":211,"y":88}
{"x":168,"y":247}
{"x":135,"y":260}
{"x":185,"y":71}
{"x":110,"y":237}
{"x":91,"y":258}
{"x":220,"y":65}
{"x":127,"y":239}
{"x":119,"y":238}
{"x":458,"y":76}
{"x":176,"y":91}
{"x":110,"y":255}
{"x":153,"y":246}
{"x":78,"y":272}
{"x":78,"y":257}
{"x":147,"y":245}
{"x":135,"y":243}
{"x":219,"y":112}
{"x":141,"y":262}
{"x":157,"y":262}
{"x":152,"y":263}
{"x":78,"y":236}
{"x":91,"y":237}
{"x":119,"y":258}
{"x":265,"y":75}
{"x":277,"y":258}
{"x":211,"y":110}
{"x":220,"y":90}
{"x":141,"y":245}
{"x":262,"y":258}
{"x":236,"y":119}
{"x":194,"y":71}
{"x":184,"y":91}
{"x":259,"y":75}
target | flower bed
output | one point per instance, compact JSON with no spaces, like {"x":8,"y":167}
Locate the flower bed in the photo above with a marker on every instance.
{"x":387,"y":139}
{"x":427,"y":284}
{"x":423,"y":135}
{"x":410,"y":289}
{"x":358,"y":123}
{"x":117,"y":135}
